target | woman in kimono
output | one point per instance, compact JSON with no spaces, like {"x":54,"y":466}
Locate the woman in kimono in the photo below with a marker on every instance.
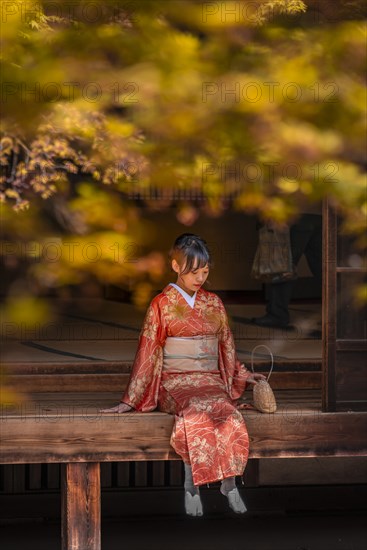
{"x":186,"y":365}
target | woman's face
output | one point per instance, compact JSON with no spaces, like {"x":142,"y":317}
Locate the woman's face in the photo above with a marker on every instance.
{"x":193,"y":280}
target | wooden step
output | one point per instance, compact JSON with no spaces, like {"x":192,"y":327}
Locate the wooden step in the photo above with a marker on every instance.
{"x":107,"y":376}
{"x":109,"y":382}
{"x":111,"y":367}
{"x":70,"y":428}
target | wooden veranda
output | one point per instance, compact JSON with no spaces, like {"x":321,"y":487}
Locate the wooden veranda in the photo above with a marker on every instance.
{"x":320,"y":412}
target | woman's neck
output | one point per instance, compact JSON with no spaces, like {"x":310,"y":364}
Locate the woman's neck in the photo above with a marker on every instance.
{"x":189,"y":292}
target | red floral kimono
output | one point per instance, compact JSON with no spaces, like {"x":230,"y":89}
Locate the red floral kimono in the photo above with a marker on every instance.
{"x":209,"y":432}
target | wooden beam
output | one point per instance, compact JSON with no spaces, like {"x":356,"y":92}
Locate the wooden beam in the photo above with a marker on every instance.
{"x":290,"y":432}
{"x":351,"y":345}
{"x":72,"y":367}
{"x":80,"y":506}
{"x":329,"y":310}
{"x":65,"y":383}
{"x":124,"y":367}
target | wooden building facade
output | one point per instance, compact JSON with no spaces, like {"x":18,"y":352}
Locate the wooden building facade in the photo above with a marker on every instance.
{"x":344,"y":323}
{"x":63,"y":448}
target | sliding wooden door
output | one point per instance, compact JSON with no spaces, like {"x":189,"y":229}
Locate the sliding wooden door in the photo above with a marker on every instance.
{"x":344,"y":321}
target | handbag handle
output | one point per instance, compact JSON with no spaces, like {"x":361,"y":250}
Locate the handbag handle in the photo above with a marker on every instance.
{"x":271,"y":355}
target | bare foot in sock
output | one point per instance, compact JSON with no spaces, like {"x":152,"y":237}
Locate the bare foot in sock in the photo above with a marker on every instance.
{"x":228,"y":488}
{"x":235,"y":501}
{"x":193,"y":505}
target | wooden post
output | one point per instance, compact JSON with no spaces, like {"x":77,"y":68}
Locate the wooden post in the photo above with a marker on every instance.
{"x":329,"y":310}
{"x":81,"y":506}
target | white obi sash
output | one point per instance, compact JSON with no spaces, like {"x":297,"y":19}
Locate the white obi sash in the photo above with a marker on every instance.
{"x":194,"y":353}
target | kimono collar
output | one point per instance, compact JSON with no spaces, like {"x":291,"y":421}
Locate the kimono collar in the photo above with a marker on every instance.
{"x":189,"y":299}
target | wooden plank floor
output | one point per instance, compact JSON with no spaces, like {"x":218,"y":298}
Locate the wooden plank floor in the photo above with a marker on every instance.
{"x":70,"y":428}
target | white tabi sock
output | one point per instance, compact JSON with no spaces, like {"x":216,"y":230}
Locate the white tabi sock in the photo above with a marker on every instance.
{"x":228,"y":488}
{"x":189,"y":482}
{"x":193,"y":505}
{"x":227,"y":485}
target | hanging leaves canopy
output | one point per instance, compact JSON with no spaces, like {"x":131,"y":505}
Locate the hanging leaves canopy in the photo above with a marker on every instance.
{"x":108,"y":107}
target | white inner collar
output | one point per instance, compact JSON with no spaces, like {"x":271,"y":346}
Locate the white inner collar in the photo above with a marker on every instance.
{"x":189,"y":299}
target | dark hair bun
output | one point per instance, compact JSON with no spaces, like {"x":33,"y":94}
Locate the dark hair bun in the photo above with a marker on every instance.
{"x":193,"y":249}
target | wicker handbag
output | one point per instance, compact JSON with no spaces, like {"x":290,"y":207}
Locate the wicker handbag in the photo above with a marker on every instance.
{"x":263,"y":396}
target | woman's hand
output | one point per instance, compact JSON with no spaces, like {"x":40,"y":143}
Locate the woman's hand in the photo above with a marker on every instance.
{"x":120,"y":408}
{"x":255,"y":377}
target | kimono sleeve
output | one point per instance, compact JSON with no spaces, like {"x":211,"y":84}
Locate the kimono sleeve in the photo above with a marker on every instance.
{"x":142,"y":390}
{"x":233,"y":373}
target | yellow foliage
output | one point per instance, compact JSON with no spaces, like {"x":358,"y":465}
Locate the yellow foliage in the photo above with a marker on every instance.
{"x":360,"y":295}
{"x":26,"y":310}
{"x":288,"y":185}
{"x":180,"y":86}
